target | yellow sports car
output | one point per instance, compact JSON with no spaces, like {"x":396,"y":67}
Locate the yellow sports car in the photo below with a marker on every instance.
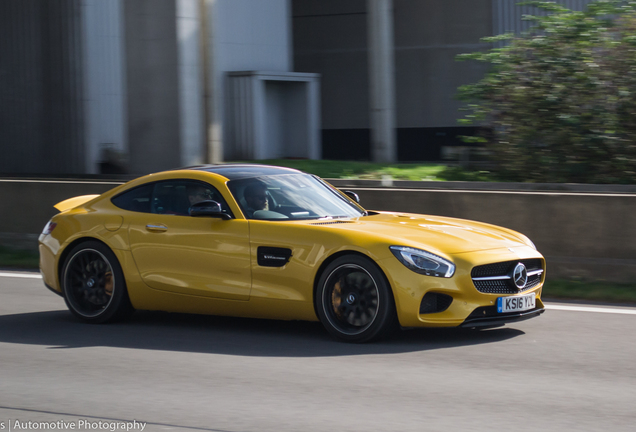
{"x":269,"y":242}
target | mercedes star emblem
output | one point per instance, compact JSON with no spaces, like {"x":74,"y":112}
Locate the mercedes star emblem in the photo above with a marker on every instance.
{"x":520,"y":276}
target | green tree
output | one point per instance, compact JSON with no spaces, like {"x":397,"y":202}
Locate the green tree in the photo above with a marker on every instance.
{"x":560,"y":100}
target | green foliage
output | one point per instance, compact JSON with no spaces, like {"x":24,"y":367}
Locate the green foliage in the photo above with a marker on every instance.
{"x":371,"y":171}
{"x":18,"y":258}
{"x":560,"y":100}
{"x":588,"y":290}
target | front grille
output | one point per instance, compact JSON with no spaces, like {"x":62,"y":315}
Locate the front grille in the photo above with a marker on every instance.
{"x":503,"y":269}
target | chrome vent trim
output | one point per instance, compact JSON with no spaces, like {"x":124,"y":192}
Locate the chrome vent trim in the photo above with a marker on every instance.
{"x":332,"y":222}
{"x":490,"y":278}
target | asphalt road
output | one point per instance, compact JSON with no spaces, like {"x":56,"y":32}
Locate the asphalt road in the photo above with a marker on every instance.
{"x":566,"y":370}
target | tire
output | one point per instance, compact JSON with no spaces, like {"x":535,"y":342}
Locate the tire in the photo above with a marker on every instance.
{"x":354,"y":301}
{"x":93,"y":284}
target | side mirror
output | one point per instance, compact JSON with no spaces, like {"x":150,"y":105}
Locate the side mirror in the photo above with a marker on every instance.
{"x":208,"y":208}
{"x":354,"y":196}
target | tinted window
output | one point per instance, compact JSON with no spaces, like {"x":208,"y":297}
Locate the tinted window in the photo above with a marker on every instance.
{"x":176,"y":196}
{"x":168,"y":197}
{"x":137,"y":199}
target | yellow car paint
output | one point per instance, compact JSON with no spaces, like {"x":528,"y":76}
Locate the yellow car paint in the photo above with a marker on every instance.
{"x":209,"y":266}
{"x":73,"y":202}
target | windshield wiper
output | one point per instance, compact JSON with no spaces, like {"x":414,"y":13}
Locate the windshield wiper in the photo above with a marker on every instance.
{"x":339,"y":217}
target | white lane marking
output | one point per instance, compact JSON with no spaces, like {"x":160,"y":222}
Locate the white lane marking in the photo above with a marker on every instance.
{"x":22,"y":275}
{"x":591,"y":309}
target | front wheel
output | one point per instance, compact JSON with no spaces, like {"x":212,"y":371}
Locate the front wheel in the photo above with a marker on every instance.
{"x":93,"y":284}
{"x":354,"y":301}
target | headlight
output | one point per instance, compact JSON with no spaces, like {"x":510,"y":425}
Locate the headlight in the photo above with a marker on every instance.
{"x":423,"y":262}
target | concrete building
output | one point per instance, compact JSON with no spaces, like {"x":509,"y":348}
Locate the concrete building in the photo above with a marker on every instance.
{"x":93,"y":86}
{"x":99,"y":86}
{"x":331,"y":37}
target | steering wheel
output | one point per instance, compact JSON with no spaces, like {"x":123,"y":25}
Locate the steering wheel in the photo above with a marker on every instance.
{"x":271,"y":202}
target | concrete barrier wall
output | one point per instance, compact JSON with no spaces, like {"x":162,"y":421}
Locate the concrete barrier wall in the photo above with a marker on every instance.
{"x":27,"y":205}
{"x":584,"y":232}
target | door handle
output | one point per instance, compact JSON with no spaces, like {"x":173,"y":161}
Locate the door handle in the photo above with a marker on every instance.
{"x":156,"y":228}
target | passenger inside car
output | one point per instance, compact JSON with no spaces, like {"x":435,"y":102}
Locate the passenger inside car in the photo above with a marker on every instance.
{"x":197,"y":193}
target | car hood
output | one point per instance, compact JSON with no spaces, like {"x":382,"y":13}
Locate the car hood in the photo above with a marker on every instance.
{"x":448,"y":235}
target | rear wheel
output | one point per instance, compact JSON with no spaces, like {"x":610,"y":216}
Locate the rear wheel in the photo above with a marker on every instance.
{"x":93,"y":284}
{"x":353,"y":300}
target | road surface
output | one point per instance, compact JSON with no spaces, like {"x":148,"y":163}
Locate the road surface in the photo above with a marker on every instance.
{"x":573,"y":368}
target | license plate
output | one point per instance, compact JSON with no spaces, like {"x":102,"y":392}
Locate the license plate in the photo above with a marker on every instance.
{"x":516,"y":303}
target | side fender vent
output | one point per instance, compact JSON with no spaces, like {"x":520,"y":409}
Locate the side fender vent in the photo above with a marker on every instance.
{"x":273,"y":256}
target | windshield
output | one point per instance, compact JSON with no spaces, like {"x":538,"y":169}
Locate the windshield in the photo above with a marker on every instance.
{"x":291,"y":196}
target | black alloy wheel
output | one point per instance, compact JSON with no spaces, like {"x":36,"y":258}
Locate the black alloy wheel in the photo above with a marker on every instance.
{"x":354,"y":301}
{"x":93,"y":284}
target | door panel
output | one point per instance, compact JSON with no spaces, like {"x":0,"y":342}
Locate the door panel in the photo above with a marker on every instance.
{"x":197,"y":256}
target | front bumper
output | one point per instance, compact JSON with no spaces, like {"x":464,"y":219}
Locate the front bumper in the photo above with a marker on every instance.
{"x":468,"y":303}
{"x":53,"y":290}
{"x":488,"y":316}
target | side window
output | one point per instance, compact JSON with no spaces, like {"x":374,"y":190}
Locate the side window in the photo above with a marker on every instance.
{"x":137,"y":199}
{"x":176,"y":196}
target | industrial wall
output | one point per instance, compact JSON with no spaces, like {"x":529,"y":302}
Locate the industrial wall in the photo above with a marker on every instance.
{"x":114,"y":86}
{"x":428,"y":37}
{"x":252,"y":35}
{"x":89,"y":86}
{"x":41,"y":114}
{"x":248,"y":35}
{"x":152,"y":85}
{"x":64,"y":67}
{"x":330,"y":38}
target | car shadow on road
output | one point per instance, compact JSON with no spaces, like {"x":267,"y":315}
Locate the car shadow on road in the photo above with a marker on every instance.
{"x":224,"y":335}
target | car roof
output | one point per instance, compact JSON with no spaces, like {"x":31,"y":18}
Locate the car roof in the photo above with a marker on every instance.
{"x":243,"y":171}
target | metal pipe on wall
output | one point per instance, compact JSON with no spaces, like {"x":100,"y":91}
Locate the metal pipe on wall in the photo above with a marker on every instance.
{"x":382,"y":80}
{"x":212,"y":83}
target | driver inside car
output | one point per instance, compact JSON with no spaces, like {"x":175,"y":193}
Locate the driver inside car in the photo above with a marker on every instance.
{"x":256,"y":198}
